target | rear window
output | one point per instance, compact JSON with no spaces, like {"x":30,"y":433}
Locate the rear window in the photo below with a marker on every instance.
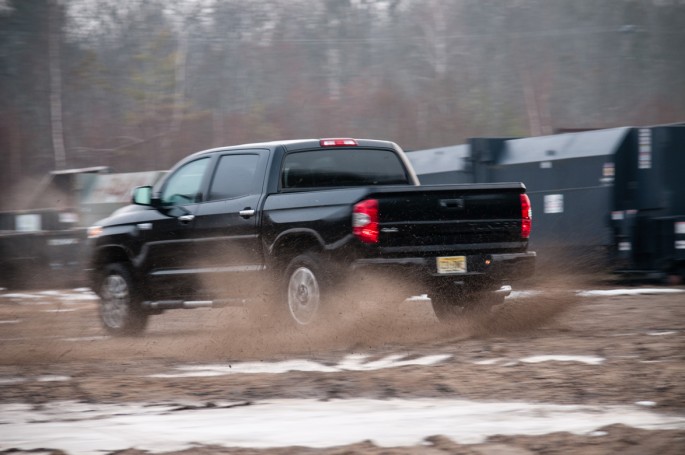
{"x":342,"y":167}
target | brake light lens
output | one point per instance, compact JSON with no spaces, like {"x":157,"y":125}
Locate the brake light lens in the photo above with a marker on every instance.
{"x":337,"y":142}
{"x":526,"y":216}
{"x":365,"y":221}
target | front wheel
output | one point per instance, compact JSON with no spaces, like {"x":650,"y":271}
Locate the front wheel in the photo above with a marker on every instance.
{"x":120,"y":306}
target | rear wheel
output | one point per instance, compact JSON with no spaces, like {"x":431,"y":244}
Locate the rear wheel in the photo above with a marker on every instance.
{"x":306,"y":285}
{"x":121,"y":312}
{"x":450,"y":304}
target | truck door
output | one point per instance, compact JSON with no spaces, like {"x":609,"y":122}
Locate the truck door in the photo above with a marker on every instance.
{"x":166,"y":238}
{"x":228,"y":250}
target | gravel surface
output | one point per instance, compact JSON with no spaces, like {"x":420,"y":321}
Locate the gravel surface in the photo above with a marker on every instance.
{"x":549,"y":346}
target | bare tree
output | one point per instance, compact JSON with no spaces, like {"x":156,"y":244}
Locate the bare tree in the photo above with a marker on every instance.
{"x":138,"y":83}
{"x":55,"y":68}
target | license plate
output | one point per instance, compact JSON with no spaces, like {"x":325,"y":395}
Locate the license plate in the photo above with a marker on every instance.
{"x":451,"y":264}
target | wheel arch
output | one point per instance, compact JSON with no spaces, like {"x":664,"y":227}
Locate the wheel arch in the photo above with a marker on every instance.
{"x":290,"y":244}
{"x":108,"y":254}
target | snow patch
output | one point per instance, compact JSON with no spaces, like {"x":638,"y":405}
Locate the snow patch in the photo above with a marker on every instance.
{"x":93,"y":429}
{"x":618,"y":292}
{"x":352,"y":362}
{"x":44,"y":378}
{"x":522,"y":294}
{"x":590,"y":360}
{"x":20,"y":296}
{"x":52,"y":378}
{"x":497,"y":361}
{"x":93,"y":338}
{"x":648,"y":404}
{"x":75,"y":295}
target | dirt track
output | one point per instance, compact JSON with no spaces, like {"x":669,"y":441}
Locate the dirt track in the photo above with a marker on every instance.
{"x":629,"y":348}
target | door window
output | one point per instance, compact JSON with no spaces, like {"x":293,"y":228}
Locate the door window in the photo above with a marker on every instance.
{"x":235,"y":177}
{"x":183,"y":187}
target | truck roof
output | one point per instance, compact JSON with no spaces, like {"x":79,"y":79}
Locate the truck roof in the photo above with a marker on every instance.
{"x":300,"y":144}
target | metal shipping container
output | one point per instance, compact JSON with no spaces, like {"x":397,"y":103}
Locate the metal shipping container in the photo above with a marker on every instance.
{"x":648,"y":214}
{"x":569,"y":178}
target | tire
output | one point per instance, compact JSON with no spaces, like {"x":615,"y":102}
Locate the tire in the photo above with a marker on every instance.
{"x":306,"y":286}
{"x":121,"y":312}
{"x":451,"y":305}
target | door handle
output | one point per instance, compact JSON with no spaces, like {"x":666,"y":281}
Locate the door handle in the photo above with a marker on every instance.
{"x":452,"y":203}
{"x":246,"y":212}
{"x":186,"y":218}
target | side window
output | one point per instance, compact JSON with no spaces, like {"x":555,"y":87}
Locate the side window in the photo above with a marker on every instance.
{"x":184,"y":185}
{"x":234,"y":177}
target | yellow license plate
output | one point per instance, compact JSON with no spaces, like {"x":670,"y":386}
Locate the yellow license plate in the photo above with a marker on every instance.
{"x":451,"y":264}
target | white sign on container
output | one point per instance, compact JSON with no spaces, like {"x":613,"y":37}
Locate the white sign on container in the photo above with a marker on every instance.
{"x":680,"y":227}
{"x":645,"y":149}
{"x":27,"y":222}
{"x":554,"y":203}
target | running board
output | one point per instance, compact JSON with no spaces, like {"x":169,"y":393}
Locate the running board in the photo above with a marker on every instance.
{"x":190,"y":304}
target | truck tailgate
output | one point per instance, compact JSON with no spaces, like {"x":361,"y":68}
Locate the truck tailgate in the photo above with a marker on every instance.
{"x":451,"y":216}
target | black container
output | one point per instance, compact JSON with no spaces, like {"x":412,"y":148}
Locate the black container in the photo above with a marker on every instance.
{"x":442,"y":165}
{"x":612,"y":198}
{"x":649,"y":203}
{"x":569,"y":179}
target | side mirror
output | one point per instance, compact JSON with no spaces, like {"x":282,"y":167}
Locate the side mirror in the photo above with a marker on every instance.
{"x":142,"y":195}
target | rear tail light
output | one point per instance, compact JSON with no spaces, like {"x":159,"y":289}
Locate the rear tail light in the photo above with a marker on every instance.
{"x":365,"y":221}
{"x":526,"y":216}
{"x":337,"y":142}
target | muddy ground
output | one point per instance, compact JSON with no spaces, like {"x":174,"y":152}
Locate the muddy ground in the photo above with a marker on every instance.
{"x":640,"y":339}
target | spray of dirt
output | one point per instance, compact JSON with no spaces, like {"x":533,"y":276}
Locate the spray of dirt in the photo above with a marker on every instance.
{"x":553,"y":296}
{"x":524,"y":316}
{"x":376,"y":315}
{"x":372,"y":315}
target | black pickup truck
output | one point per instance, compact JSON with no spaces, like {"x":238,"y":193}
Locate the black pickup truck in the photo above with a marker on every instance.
{"x":293,"y":222}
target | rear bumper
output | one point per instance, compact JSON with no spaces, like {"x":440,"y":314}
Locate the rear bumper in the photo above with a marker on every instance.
{"x":479,"y":267}
{"x":514,"y":266}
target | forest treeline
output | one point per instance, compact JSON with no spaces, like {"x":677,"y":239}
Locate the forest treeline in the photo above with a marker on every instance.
{"x":137,"y":84}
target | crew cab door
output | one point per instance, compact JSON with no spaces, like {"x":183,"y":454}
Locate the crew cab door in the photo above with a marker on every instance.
{"x":166,"y":240}
{"x":226,"y":233}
